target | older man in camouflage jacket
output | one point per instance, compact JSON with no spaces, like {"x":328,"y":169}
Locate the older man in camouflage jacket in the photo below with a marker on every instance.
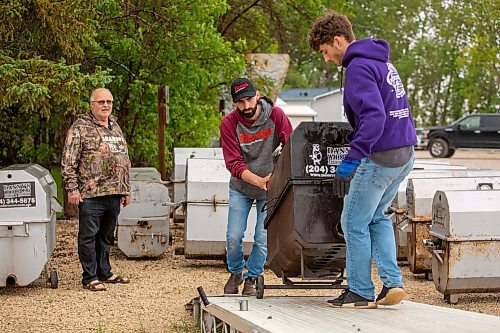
{"x":95,"y":170}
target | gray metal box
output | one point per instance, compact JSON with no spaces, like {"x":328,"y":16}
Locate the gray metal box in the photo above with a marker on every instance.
{"x":402,"y":229}
{"x":420,"y":192}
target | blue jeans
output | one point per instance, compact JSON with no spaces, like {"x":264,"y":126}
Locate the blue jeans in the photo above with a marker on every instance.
{"x":96,"y":226}
{"x":239,"y":208}
{"x":368,"y":231}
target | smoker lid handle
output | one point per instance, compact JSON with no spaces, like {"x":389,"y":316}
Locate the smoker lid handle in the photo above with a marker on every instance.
{"x":265,"y":208}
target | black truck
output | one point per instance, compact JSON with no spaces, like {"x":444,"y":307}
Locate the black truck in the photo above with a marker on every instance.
{"x":473,"y":131}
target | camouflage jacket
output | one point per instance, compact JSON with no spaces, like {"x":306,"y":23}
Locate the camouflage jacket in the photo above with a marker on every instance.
{"x":95,"y":159}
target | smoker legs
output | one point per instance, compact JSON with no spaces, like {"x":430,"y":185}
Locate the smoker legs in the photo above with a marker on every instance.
{"x":451,"y":298}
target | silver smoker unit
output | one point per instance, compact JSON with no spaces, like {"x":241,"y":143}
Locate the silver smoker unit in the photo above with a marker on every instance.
{"x":143,"y":225}
{"x":466,"y":242}
{"x":28,"y":206}
{"x":419,"y":197}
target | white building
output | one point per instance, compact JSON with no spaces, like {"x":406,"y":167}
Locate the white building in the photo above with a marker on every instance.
{"x":327,"y":102}
{"x":296,"y":113}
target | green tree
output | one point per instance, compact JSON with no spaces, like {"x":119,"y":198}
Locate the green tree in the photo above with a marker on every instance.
{"x":446,"y":52}
{"x":477,"y":63}
{"x":54,"y":53}
{"x":41,"y":43}
{"x":272,"y":26}
{"x":173,"y":43}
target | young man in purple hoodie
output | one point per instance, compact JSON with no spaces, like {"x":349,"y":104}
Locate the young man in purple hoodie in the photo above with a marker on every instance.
{"x":249,"y":136}
{"x":380,"y":157}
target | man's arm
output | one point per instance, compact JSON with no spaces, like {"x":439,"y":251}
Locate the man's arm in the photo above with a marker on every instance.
{"x":69,"y":164}
{"x":233,"y":158}
{"x":126,"y":200}
{"x":282,"y":124}
{"x":252,"y":178}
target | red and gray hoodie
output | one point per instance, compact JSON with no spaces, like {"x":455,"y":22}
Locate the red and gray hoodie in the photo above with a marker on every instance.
{"x":248,"y":144}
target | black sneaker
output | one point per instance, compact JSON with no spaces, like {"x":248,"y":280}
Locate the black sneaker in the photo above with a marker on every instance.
{"x":349,"y":299}
{"x":390,"y":296}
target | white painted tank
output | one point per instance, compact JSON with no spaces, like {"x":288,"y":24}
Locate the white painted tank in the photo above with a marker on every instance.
{"x":181,"y":155}
{"x":399,"y":207}
{"x":207,"y":209}
{"x":28,"y":206}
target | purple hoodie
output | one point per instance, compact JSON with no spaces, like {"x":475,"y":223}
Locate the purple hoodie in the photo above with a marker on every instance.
{"x":375,"y":100}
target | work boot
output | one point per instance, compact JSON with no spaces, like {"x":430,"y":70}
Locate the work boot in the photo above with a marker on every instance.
{"x":233,"y":283}
{"x":249,"y":287}
{"x":390,"y":296}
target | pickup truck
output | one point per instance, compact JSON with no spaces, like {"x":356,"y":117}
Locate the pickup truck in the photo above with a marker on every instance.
{"x":472,"y":131}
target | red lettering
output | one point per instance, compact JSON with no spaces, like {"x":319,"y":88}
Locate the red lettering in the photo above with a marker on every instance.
{"x":262,"y":134}
{"x":241,"y":86}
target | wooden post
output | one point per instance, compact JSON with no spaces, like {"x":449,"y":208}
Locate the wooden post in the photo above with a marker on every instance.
{"x":222,"y":107}
{"x":162,"y":121}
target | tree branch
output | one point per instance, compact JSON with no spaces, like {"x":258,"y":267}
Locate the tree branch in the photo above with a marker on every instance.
{"x":116,"y":63}
{"x":240,"y":14}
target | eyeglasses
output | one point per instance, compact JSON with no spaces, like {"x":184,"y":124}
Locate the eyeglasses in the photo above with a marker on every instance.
{"x":102,"y":102}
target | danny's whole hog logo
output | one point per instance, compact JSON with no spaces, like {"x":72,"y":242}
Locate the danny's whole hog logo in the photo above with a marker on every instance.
{"x":262,"y":134}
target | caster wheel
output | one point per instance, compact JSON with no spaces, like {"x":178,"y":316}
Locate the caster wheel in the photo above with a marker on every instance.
{"x":451,"y":298}
{"x":54,"y":280}
{"x":259,"y":291}
{"x":224,"y":259}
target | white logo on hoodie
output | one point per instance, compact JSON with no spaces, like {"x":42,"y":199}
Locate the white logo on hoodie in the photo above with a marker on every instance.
{"x":395,"y":81}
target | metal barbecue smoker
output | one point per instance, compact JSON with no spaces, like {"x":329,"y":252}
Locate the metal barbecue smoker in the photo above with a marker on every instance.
{"x":28,"y":206}
{"x":304,"y":235}
{"x":143,"y":226}
{"x":465,"y":243}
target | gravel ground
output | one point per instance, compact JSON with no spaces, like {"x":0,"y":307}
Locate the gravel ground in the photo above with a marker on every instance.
{"x":154,"y":300}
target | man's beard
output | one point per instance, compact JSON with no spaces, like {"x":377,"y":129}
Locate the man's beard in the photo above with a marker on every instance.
{"x":248,"y":115}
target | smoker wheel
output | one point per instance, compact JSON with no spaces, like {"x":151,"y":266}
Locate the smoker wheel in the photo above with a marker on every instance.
{"x":54,"y":280}
{"x":259,"y":291}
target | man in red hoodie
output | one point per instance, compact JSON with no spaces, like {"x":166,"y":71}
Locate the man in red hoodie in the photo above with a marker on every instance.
{"x":249,"y":136}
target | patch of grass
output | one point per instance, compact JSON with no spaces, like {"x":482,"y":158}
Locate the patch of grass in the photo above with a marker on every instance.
{"x":183,"y":327}
{"x":101,"y":329}
{"x":56,"y":174}
{"x":141,"y":328}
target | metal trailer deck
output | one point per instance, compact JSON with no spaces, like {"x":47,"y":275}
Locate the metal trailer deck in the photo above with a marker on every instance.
{"x":307,"y":314}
